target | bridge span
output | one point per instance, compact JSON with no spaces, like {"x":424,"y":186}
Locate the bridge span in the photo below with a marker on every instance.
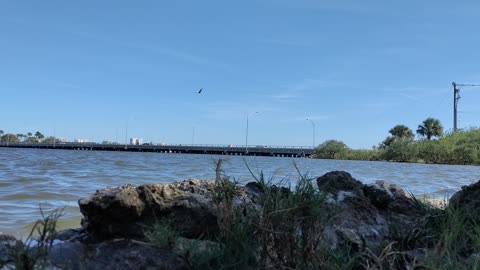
{"x":273,"y":151}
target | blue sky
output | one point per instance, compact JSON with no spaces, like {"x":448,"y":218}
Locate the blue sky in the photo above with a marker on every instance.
{"x":357,"y":68}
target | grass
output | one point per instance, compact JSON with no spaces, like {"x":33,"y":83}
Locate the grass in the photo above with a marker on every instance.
{"x":33,"y":253}
{"x":286,"y":233}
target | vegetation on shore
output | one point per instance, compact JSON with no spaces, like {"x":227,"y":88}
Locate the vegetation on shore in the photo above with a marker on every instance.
{"x":286,"y":233}
{"x":29,"y":137}
{"x":33,"y":252}
{"x":434,"y":146}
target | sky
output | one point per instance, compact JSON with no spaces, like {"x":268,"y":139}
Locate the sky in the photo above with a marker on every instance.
{"x":88,"y":69}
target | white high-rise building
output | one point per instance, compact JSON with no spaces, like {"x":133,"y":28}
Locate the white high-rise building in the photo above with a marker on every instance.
{"x":136,"y":141}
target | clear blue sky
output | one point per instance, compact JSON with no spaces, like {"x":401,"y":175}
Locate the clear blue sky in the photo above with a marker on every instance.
{"x":357,"y":68}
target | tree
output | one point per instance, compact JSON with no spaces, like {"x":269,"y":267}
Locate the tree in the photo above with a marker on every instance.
{"x":398,"y":132}
{"x":31,"y":140}
{"x":39,"y":135}
{"x":329,"y":149}
{"x":21,"y":137}
{"x":1,"y":132}
{"x":432,"y":151}
{"x":50,"y":139}
{"x":29,"y":134}
{"x":401,"y":131}
{"x":430,"y":127}
{"x":401,"y":150}
{"x":9,"y":138}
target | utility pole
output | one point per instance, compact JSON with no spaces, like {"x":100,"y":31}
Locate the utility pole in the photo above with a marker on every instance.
{"x":456,"y":97}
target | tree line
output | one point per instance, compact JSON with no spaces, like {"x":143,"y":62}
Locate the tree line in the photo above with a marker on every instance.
{"x":36,"y":137}
{"x":433,"y":146}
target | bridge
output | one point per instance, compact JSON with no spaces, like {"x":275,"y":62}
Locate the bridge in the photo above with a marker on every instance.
{"x":256,"y":150}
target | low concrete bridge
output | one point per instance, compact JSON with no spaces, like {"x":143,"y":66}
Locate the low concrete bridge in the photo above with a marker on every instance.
{"x":260,"y":150}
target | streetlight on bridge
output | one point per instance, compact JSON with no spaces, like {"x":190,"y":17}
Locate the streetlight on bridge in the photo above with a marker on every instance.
{"x":313,"y":127}
{"x":246,"y":133}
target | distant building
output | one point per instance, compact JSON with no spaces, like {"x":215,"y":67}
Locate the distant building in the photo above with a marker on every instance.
{"x":136,"y":141}
{"x":81,"y":141}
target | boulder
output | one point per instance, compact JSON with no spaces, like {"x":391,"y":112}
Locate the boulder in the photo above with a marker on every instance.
{"x":129,"y":211}
{"x":468,"y":199}
{"x":8,"y":246}
{"x":365,"y":214}
{"x":114,"y":254}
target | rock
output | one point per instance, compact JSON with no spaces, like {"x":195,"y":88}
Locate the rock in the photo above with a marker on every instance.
{"x":335,"y":181}
{"x":468,"y":199}
{"x":400,"y":210}
{"x":8,"y":246}
{"x":255,"y":187}
{"x":115,"y":254}
{"x":365,"y":214}
{"x":128,"y":211}
{"x":71,"y":234}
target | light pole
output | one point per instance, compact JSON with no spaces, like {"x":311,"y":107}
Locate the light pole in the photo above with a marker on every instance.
{"x":313,"y":127}
{"x":126,"y":130}
{"x":193,"y":135}
{"x":54,"y":134}
{"x":246,"y":133}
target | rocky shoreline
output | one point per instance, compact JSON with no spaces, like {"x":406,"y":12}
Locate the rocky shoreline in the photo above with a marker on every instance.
{"x":352,"y":218}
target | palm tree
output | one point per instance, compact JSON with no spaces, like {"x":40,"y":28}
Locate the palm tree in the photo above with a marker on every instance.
{"x":1,"y":132}
{"x":29,"y":134}
{"x":430,"y":127}
{"x":401,"y":131}
{"x":39,"y":135}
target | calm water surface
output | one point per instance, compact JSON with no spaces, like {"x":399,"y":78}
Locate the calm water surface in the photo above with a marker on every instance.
{"x":30,"y":178}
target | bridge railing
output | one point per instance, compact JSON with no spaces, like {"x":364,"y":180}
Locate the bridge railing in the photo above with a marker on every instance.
{"x":230,"y":146}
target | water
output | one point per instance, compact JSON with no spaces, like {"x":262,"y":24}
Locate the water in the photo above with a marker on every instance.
{"x":30,"y":178}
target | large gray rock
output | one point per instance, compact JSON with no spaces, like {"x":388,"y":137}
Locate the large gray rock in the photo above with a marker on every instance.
{"x":468,"y":199}
{"x":366,"y":214}
{"x":114,"y":254}
{"x":129,"y":211}
{"x":8,"y":246}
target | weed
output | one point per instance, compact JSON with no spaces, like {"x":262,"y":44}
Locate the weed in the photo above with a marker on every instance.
{"x":33,"y":253}
{"x":162,"y":235}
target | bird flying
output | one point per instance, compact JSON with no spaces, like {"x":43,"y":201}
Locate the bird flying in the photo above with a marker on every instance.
{"x":200,"y":91}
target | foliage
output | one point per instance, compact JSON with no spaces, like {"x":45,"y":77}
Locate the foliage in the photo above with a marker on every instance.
{"x":39,"y":135}
{"x":401,"y":131}
{"x":33,"y":254}
{"x":461,"y":147}
{"x":49,"y":139}
{"x":290,"y":225}
{"x":162,"y":235}
{"x":31,"y":140}
{"x":451,"y":238}
{"x":330,"y":149}
{"x":21,"y":137}
{"x":10,"y":138}
{"x":432,"y":151}
{"x":430,"y":127}
{"x":398,"y":132}
{"x":401,"y":150}
{"x":360,"y":154}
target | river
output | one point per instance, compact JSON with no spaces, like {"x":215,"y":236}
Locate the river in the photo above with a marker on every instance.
{"x":30,"y":178}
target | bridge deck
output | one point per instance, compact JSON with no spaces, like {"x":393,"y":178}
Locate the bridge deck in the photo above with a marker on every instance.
{"x":279,"y":151}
